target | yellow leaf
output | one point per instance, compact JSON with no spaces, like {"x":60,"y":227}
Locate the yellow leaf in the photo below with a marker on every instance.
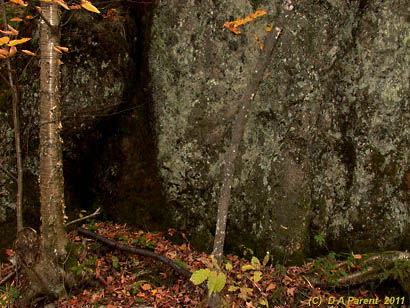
{"x":62,"y":3}
{"x":28,"y":52}
{"x":19,"y":2}
{"x":89,"y":6}
{"x":268,"y":28}
{"x":4,"y":40}
{"x":17,"y":42}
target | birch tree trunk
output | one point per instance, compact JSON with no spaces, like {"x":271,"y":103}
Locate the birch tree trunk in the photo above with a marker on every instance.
{"x":53,"y":235}
{"x":41,"y":257}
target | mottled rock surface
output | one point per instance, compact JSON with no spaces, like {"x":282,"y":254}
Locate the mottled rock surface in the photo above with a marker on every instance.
{"x":325,"y":150}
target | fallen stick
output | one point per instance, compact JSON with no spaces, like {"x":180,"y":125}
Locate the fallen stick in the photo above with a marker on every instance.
{"x":141,"y":252}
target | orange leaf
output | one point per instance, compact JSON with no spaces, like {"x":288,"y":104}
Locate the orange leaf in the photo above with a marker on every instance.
{"x":4,"y":53}
{"x":357,"y":256}
{"x":62,"y":49}
{"x":29,"y":17}
{"x":4,"y":40}
{"x":75,"y":7}
{"x":12,"y":51}
{"x":271,"y":286}
{"x":229,"y":25}
{"x":9,"y":252}
{"x":268,"y":28}
{"x":19,"y":2}
{"x":13,"y":31}
{"x":110,"y":279}
{"x":146,"y":286}
{"x":290,"y":291}
{"x":28,"y":52}
{"x":62,"y":3}
{"x":16,"y":19}
{"x":17,"y":42}
{"x":258,"y":41}
{"x":89,"y":6}
{"x":56,"y":49}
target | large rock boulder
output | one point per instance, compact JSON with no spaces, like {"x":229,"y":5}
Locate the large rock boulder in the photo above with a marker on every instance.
{"x":325,"y":147}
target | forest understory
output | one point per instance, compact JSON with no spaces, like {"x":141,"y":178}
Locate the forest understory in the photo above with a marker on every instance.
{"x":110,"y":278}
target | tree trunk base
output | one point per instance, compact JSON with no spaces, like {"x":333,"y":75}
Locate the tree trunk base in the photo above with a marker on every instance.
{"x":41,"y":273}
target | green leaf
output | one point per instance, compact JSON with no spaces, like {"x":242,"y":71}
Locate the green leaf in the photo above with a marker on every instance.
{"x":216,"y":282}
{"x":181,"y":263}
{"x":232,"y":288}
{"x":200,"y":276}
{"x":247,"y":268}
{"x":114,"y":261}
{"x":228,"y":266}
{"x":257,"y":276}
{"x":255,"y":262}
{"x":263,"y":302}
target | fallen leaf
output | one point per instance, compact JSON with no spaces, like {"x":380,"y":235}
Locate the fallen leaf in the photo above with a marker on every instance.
{"x":146,"y":286}
{"x":271,"y":286}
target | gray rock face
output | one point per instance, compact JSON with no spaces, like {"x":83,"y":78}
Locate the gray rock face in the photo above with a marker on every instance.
{"x":325,"y":150}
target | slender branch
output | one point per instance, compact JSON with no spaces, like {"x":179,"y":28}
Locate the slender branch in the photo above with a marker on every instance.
{"x":83,"y":218}
{"x":237,"y":134}
{"x":17,"y":134}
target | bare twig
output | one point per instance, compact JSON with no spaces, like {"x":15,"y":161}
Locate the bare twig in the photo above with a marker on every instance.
{"x":83,"y":218}
{"x":8,"y":277}
{"x":8,"y":173}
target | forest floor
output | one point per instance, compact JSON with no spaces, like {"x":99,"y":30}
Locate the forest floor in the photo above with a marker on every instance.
{"x":110,"y":278}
